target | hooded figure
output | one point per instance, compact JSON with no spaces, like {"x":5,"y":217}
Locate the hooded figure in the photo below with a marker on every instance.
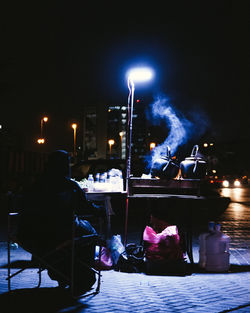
{"x":47,"y":218}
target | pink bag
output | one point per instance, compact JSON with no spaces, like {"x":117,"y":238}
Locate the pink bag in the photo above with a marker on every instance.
{"x":106,"y":262}
{"x":164,"y":245}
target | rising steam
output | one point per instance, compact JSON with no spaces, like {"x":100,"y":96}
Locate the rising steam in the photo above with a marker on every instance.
{"x":179,"y":127}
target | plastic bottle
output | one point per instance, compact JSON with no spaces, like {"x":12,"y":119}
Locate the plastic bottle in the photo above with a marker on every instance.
{"x":90,"y":182}
{"x":202,"y":244}
{"x":113,"y":182}
{"x":217,"y":251}
{"x":107,"y":177}
{"x":120,"y":182}
{"x":97,"y":177}
{"x":102,"y":178}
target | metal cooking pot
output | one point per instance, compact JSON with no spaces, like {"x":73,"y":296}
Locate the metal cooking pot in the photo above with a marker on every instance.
{"x":193,"y":167}
{"x":164,"y":167}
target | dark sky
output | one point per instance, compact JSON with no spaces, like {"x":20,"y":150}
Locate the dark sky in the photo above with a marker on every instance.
{"x":56,"y":59}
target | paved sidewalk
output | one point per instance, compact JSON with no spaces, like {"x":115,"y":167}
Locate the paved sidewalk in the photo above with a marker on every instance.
{"x":126,"y":292}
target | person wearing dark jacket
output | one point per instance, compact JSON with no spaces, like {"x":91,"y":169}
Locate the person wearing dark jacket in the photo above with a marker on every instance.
{"x":47,"y":221}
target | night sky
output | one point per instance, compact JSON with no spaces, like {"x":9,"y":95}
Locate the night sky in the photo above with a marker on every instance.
{"x":56,"y":59}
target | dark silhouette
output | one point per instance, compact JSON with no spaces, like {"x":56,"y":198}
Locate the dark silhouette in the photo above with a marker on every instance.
{"x":47,"y":217}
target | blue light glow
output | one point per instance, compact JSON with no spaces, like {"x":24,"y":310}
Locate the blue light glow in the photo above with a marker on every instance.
{"x":140,"y":74}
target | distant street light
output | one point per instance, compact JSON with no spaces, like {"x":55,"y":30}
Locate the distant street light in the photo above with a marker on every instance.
{"x":74,"y":126}
{"x":110,"y":142}
{"x":121,"y":136}
{"x":152,"y":145}
{"x":43,"y":120}
{"x":40,"y":141}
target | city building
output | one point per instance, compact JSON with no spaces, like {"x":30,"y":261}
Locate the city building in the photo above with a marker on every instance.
{"x":94,"y":131}
{"x":105,"y":130}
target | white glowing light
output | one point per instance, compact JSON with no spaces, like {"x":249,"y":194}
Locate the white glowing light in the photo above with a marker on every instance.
{"x":225,"y":183}
{"x":140,"y":74}
{"x":236,"y":183}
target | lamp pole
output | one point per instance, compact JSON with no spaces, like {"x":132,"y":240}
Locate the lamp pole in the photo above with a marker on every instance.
{"x":110,"y":142}
{"x":140,"y":74}
{"x":42,"y":139}
{"x":121,"y":137}
{"x":74,"y":126}
{"x":43,"y":120}
{"x":134,"y":75}
{"x":131,"y":87}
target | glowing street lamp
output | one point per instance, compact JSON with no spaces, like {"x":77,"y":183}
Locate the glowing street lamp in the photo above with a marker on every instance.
{"x":152,"y":145}
{"x":135,"y":75}
{"x":40,"y":141}
{"x":74,"y":126}
{"x":43,"y":120}
{"x":110,"y":142}
{"x":140,"y":74}
{"x":121,"y":134}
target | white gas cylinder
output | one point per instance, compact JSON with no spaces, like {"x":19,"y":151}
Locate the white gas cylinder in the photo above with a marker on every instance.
{"x":217,"y":251}
{"x":202,"y":244}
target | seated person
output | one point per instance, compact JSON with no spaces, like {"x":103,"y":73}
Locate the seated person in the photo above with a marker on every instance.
{"x":47,"y":218}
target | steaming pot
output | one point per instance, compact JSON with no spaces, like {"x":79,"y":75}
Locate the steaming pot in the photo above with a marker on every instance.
{"x":164,"y":167}
{"x":193,"y":167}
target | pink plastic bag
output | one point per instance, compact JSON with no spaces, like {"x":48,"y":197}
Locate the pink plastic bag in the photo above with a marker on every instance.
{"x":106,"y":262}
{"x":164,"y":245}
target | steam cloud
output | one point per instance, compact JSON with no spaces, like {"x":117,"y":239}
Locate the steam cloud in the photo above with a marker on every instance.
{"x":179,"y":127}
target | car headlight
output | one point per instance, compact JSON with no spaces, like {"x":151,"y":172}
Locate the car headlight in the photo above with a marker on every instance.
{"x":236,"y":183}
{"x":225,"y":183}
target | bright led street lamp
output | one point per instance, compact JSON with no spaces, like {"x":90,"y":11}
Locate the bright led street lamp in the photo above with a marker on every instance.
{"x":140,"y":74}
{"x":135,"y":75}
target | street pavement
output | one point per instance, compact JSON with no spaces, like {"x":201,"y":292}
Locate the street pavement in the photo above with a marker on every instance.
{"x":137,"y":292}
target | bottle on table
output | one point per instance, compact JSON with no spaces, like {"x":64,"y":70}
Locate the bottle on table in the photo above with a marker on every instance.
{"x":121,"y":187}
{"x":102,"y":178}
{"x":90,"y":182}
{"x":97,"y":177}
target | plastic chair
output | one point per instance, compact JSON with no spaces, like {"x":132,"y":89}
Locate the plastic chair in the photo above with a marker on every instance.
{"x":44,"y":261}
